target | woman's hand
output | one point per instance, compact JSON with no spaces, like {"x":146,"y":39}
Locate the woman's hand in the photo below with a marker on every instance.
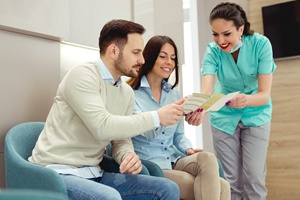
{"x":191,"y":151}
{"x":238,"y":101}
{"x":195,"y":118}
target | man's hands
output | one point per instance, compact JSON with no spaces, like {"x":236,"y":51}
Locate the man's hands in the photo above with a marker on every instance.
{"x":170,"y":114}
{"x":131,"y":164}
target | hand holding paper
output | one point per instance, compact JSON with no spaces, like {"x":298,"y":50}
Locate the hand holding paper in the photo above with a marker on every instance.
{"x":208,"y":102}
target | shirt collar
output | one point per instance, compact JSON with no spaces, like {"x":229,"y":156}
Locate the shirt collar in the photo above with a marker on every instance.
{"x":106,"y":75}
{"x":165,"y":85}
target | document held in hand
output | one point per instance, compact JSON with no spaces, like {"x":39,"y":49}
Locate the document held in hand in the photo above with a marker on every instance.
{"x":208,"y":102}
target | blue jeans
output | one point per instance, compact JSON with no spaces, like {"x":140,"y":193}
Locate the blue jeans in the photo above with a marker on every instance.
{"x":121,"y":186}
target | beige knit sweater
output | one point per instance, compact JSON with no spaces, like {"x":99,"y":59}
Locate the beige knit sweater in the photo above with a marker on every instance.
{"x":86,"y":115}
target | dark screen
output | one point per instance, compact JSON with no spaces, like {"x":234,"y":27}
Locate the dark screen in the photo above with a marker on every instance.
{"x":281,"y":24}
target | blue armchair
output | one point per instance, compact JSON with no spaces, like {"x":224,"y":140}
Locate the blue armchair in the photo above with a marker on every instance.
{"x":21,"y":174}
{"x":20,"y":194}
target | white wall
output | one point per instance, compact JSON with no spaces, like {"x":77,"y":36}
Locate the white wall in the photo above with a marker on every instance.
{"x":161,"y":17}
{"x":47,"y":18}
{"x":88,"y":17}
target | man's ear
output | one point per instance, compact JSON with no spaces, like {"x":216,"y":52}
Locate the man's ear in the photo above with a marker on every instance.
{"x":113,"y":50}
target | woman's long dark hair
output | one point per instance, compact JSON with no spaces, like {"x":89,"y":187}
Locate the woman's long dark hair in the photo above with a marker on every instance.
{"x":232,"y":12}
{"x":150,"y":53}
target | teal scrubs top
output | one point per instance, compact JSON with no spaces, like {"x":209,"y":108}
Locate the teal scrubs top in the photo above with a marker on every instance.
{"x":255,"y":57}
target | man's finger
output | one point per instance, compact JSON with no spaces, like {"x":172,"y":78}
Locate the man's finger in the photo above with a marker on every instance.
{"x":180,"y":101}
{"x":125,"y":164}
{"x":135,"y":168}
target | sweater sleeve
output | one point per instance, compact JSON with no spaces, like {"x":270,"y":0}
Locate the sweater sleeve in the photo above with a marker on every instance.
{"x":81,"y":89}
{"x":122,"y":147}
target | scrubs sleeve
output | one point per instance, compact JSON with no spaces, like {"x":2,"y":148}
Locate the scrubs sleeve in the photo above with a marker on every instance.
{"x":266,"y":61}
{"x":209,"y":62}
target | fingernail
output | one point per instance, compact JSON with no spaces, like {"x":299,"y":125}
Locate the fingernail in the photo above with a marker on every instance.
{"x":191,"y":113}
{"x":200,"y":110}
{"x":227,"y":103}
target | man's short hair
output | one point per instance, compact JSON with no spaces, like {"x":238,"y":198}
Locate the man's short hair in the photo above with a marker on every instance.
{"x":116,"y":31}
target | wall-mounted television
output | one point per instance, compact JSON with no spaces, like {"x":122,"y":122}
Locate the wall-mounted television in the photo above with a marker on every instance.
{"x":281,"y":24}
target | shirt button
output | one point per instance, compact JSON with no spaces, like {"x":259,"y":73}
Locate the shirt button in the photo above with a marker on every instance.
{"x":162,"y":143}
{"x":165,"y":148}
{"x":163,"y":132}
{"x":168,"y":158}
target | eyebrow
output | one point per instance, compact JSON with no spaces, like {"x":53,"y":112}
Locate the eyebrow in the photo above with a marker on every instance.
{"x":167,"y":53}
{"x":227,"y":31}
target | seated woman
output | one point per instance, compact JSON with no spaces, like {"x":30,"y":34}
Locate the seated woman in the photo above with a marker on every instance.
{"x":197,"y":174}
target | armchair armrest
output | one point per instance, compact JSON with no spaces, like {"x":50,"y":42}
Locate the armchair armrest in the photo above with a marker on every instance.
{"x":108,"y":164}
{"x":153,"y":168}
{"x":32,"y":176}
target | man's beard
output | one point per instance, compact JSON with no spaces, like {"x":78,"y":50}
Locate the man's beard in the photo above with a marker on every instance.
{"x":121,"y":66}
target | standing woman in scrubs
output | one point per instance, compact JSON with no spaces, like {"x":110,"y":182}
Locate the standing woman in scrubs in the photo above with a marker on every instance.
{"x":240,"y":60}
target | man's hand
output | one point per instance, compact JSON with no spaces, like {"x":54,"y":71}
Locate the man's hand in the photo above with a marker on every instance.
{"x":191,"y":151}
{"x":170,"y":114}
{"x":131,"y":164}
{"x":181,"y":101}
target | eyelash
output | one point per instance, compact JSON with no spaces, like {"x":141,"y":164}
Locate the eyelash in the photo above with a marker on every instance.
{"x":226,"y":34}
{"x":165,"y":57}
